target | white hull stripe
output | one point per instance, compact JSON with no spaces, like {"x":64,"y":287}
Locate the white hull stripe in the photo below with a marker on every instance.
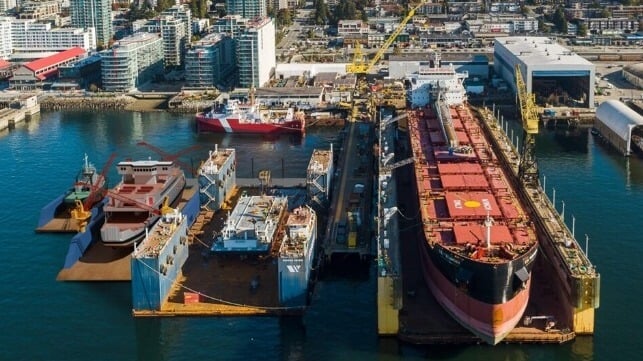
{"x":225,"y":125}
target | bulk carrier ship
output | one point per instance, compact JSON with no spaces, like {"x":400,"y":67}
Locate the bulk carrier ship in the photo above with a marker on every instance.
{"x":479,"y":247}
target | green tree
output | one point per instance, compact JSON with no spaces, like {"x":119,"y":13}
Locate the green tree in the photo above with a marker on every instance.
{"x":162,"y":5}
{"x":320,"y":15}
{"x":283,"y":18}
{"x":582,"y":29}
{"x":559,"y":21}
{"x":605,"y":13}
{"x":199,"y":8}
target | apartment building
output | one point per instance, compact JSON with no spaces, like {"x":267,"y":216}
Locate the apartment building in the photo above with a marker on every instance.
{"x":256,"y":57}
{"x":210,"y":62}
{"x":131,"y":62}
{"x":95,"y":14}
{"x":248,"y":9}
{"x":28,"y":36}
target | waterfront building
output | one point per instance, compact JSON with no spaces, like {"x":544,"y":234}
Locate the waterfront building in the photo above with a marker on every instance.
{"x":131,"y":62}
{"x":5,"y":69}
{"x":28,"y":36}
{"x":210,"y":62}
{"x":546,"y":67}
{"x":248,"y":9}
{"x":81,"y":74}
{"x":39,"y":73}
{"x":95,"y":14}
{"x":256,"y":56}
{"x":174,"y":40}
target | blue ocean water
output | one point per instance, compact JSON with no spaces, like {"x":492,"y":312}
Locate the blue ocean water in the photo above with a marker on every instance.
{"x":48,"y":320}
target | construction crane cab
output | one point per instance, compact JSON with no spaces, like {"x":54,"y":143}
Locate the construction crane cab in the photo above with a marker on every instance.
{"x":359,"y":65}
{"x":527,"y":168}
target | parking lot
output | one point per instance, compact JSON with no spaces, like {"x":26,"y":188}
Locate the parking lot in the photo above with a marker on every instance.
{"x":611,"y":83}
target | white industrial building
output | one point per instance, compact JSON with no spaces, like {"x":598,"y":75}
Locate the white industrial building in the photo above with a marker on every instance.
{"x":620,"y":125}
{"x":547,"y":65}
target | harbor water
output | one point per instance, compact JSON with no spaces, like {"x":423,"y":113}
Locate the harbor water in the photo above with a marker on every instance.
{"x":45,"y":319}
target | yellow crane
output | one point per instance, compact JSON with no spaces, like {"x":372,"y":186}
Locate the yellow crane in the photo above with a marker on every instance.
{"x":359,"y":66}
{"x":527,"y":168}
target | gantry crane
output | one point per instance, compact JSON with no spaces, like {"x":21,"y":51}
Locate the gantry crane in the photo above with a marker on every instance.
{"x":527,"y":168}
{"x":359,"y":66}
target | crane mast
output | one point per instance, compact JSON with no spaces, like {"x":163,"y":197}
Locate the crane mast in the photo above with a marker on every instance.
{"x":357,"y":66}
{"x":527,"y":168}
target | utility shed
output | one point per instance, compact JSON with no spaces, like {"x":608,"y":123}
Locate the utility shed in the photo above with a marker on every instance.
{"x":553,"y":73}
{"x":616,"y":122}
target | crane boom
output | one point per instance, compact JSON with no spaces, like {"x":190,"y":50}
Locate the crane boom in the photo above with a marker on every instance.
{"x":527,"y":105}
{"x":527,"y":168}
{"x":358,"y":67}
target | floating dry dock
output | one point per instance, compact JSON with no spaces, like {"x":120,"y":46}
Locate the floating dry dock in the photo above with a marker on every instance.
{"x":88,"y":259}
{"x":253,"y":259}
{"x":565,"y":285}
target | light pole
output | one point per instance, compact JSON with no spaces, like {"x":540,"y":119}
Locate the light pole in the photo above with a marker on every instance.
{"x":562,"y":214}
{"x":573,"y":226}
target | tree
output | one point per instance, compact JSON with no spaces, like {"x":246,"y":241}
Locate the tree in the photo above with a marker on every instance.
{"x":582,"y":29}
{"x":199,"y":8}
{"x":320,"y":15}
{"x":162,"y":5}
{"x":560,"y":21}
{"x":283,"y":18}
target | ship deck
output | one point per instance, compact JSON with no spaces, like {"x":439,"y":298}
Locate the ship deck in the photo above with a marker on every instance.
{"x":423,"y":321}
{"x":104,"y":263}
{"x":214,"y":284}
{"x":460,"y":187}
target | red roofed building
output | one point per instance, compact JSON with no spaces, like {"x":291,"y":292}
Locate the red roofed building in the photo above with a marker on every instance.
{"x":5,"y":69}
{"x":34,"y":74}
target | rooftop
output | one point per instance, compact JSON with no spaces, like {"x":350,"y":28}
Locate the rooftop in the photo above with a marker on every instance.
{"x":55,"y":59}
{"x":320,"y":160}
{"x":541,"y":51}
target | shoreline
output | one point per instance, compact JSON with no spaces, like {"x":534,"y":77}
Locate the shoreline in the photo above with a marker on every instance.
{"x":123,"y":102}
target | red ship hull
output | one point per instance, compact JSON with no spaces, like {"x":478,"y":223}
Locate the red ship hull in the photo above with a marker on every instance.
{"x":478,"y":249}
{"x":491,"y":322}
{"x":231,"y":125}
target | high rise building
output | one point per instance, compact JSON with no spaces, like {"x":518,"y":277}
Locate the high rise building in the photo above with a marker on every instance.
{"x":256,"y":56}
{"x":210,"y":62}
{"x":174,"y":40}
{"x":6,"y":44}
{"x":7,"y":5}
{"x":183,"y":13}
{"x":95,"y":14}
{"x":248,"y":9}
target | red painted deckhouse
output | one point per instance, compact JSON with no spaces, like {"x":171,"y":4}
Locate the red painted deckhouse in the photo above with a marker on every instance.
{"x":35,"y":74}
